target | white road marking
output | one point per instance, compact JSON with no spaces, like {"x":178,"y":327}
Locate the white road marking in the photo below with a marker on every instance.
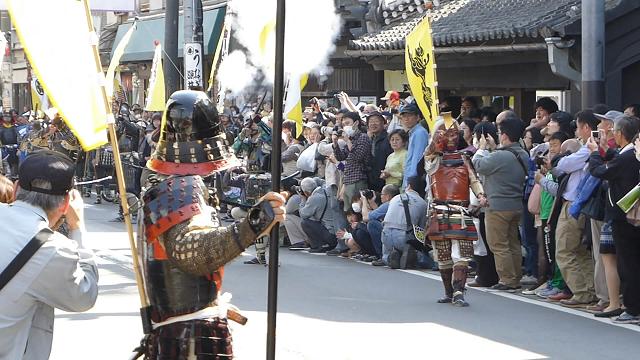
{"x":547,"y":305}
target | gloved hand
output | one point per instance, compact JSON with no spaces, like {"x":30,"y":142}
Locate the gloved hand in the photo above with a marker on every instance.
{"x":262,"y":217}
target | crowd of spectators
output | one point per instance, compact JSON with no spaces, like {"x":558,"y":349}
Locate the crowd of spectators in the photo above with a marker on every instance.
{"x":550,"y":226}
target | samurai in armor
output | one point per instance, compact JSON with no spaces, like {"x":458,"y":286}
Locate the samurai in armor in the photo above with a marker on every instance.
{"x":8,"y":146}
{"x":62,"y":139}
{"x":450,"y":177}
{"x":103,"y":163}
{"x":182,"y":247}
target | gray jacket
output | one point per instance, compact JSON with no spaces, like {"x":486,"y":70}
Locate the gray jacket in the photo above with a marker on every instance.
{"x":313,"y":208}
{"x":61,"y":274}
{"x":504,"y":176}
{"x":396,"y":217}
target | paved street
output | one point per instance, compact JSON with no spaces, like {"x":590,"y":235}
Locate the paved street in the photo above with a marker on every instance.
{"x":334,"y":308}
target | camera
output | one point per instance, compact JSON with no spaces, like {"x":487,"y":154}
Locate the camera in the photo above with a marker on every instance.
{"x":541,"y":159}
{"x":296,"y":189}
{"x":313,"y":101}
{"x":368,"y":194}
{"x":337,"y":130}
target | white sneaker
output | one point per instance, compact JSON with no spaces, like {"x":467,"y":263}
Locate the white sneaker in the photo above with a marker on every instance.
{"x":536,"y":290}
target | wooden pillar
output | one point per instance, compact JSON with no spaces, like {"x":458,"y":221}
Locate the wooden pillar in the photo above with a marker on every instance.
{"x":525,"y":101}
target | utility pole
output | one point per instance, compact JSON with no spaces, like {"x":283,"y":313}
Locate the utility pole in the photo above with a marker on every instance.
{"x":593,"y":24}
{"x":187,"y":14}
{"x":193,"y":53}
{"x":170,"y":58}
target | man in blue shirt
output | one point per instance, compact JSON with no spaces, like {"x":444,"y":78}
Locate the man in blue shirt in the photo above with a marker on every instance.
{"x":418,"y":140}
{"x":374,"y":216}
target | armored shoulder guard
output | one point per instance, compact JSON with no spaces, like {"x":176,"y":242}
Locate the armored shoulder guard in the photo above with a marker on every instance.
{"x":170,"y":203}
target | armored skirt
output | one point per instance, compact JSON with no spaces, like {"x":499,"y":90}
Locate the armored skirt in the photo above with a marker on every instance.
{"x":452,"y":225}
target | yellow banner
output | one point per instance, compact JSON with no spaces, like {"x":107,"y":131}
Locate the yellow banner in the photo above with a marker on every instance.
{"x":115,"y":60}
{"x":421,"y":70}
{"x":156,"y":96}
{"x":216,"y":57}
{"x":293,"y":102}
{"x":72,"y":83}
{"x":39,"y":100}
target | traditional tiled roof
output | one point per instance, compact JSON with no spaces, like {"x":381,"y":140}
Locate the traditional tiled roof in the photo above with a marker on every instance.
{"x":458,"y":22}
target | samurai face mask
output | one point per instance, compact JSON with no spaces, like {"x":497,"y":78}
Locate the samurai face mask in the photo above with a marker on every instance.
{"x":447,"y":139}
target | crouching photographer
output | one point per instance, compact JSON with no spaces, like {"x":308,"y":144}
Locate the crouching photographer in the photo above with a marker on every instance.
{"x":317,"y":216}
{"x":355,"y":236}
{"x":373,"y":216}
{"x":405,"y":211}
{"x":293,"y":222}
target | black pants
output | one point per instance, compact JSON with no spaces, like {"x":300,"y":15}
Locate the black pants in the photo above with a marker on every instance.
{"x":318,"y":234}
{"x":545,"y":270}
{"x":363,"y":239}
{"x":486,"y":271}
{"x":627,"y":240}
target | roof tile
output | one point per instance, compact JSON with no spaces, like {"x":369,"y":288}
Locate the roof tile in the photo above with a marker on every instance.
{"x":458,"y":22}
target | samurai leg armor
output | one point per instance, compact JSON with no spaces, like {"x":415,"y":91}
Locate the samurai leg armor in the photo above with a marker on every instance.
{"x":442,"y":254}
{"x":459,"y":282}
{"x":261,"y":250}
{"x":446,"y":275}
{"x":466,"y":250}
{"x":99,"y":190}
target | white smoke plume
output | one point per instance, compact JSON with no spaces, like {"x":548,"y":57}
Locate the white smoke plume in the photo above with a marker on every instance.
{"x":312,"y":26}
{"x":235,"y":73}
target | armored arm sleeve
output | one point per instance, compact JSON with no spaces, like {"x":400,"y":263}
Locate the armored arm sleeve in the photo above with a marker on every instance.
{"x":201,"y":250}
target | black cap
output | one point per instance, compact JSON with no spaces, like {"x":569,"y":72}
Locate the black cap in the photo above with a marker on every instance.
{"x":47,"y":165}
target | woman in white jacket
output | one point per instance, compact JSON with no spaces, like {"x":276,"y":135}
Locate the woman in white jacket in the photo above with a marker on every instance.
{"x":329,"y":164}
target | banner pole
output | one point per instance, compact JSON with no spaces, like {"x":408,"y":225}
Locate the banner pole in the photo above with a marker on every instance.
{"x":276,"y":155}
{"x":119,"y":173}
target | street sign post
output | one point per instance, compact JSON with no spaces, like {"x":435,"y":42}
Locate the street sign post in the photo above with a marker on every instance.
{"x":193,"y":66}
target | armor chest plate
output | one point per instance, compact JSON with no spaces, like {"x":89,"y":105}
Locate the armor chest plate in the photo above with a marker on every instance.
{"x":450,"y":183}
{"x":173,"y":292}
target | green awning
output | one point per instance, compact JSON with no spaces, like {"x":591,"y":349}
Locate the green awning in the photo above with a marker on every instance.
{"x":141,"y":45}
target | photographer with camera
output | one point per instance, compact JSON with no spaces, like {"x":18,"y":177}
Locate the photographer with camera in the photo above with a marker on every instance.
{"x":293,"y":222}
{"x":547,"y":269}
{"x":573,"y":258}
{"x":291,"y":149}
{"x":373,"y":215}
{"x":395,"y":226}
{"x":328,"y":164}
{"x":317,"y":216}
{"x":356,"y":156}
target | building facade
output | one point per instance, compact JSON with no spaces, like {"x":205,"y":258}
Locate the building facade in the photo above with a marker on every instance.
{"x":512,"y":48}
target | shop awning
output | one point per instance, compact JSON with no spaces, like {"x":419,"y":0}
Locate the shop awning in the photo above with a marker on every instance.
{"x":141,"y":45}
